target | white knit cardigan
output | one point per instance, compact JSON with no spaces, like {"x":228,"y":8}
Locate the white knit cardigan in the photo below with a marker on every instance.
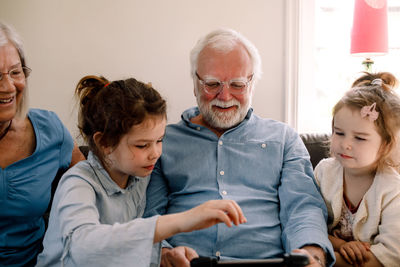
{"x":377,"y":219}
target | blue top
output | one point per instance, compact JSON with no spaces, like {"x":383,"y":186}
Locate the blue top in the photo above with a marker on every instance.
{"x":25,"y":189}
{"x":263,"y":165}
{"x":94,"y":222}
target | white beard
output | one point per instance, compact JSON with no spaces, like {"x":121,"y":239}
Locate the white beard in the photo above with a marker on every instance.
{"x":222,"y":120}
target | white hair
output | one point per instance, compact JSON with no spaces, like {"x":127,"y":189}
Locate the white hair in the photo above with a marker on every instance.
{"x":10,"y":35}
{"x":225,"y":40}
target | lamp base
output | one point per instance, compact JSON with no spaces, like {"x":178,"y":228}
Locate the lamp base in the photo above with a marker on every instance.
{"x":368,"y":64}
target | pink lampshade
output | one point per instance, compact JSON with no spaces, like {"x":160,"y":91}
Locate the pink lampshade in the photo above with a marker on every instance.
{"x":369,"y":36}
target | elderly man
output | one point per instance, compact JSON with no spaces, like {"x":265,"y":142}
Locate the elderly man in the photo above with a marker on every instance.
{"x":222,"y":150}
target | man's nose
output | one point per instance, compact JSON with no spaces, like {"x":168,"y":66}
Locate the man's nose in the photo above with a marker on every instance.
{"x":225,"y":93}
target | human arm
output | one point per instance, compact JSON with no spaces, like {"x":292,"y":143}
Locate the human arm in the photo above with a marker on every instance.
{"x":70,"y":153}
{"x":336,"y":242}
{"x":303,"y":212}
{"x":200,"y":217}
{"x":316,"y":255}
{"x":178,"y":256}
{"x":90,"y":227}
{"x":353,"y":252}
{"x":312,"y":253}
{"x":156,"y":203}
{"x":381,"y":228}
{"x":342,"y":262}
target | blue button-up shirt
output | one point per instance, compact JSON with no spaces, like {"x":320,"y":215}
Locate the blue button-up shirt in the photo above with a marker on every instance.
{"x":94,"y":222}
{"x":263,"y":165}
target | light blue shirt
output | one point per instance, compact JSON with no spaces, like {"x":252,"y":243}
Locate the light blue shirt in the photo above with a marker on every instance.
{"x":93,"y":222}
{"x":25,"y":189}
{"x":263,"y":165}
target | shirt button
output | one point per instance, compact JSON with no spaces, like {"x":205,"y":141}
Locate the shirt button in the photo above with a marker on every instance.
{"x":224,"y":192}
{"x":222,"y":172}
{"x":198,"y":128}
{"x":220,"y":143}
{"x":264,"y":145}
{"x":218,"y":254}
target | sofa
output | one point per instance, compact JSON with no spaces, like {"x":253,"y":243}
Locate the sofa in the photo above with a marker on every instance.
{"x":317,"y":146}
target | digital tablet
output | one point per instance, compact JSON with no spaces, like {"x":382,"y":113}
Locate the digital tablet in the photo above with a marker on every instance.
{"x":287,"y":260}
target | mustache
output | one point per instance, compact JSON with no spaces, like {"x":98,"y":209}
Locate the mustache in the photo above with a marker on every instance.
{"x":224,"y":104}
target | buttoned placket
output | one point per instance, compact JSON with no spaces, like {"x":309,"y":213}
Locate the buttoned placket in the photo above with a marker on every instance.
{"x":220,"y":169}
{"x":221,"y":182}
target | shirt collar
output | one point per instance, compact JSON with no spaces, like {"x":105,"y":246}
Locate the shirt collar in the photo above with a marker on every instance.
{"x":104,"y":178}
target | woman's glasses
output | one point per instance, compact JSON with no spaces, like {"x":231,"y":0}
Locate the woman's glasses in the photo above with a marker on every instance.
{"x":16,"y":74}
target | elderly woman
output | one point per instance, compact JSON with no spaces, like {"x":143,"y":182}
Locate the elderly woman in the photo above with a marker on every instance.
{"x":34,"y":146}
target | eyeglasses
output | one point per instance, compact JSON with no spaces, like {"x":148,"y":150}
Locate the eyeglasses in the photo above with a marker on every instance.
{"x":17,"y":74}
{"x":237,"y":86}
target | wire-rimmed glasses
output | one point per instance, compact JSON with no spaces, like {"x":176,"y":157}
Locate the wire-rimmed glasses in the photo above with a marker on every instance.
{"x":16,"y":74}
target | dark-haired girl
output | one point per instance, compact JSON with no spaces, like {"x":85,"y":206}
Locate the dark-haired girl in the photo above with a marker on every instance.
{"x":95,"y":218}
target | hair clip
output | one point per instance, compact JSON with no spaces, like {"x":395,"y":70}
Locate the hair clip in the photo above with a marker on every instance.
{"x":107,"y":84}
{"x":370,"y":112}
{"x":377,"y":81}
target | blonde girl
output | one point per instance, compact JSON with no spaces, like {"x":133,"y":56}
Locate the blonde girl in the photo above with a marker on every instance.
{"x":360,"y":183}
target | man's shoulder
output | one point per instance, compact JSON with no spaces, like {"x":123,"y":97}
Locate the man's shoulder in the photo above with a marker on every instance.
{"x":268,"y":121}
{"x":271,"y":127}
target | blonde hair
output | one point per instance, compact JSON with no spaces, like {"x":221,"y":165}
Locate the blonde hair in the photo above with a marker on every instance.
{"x":378,"y":88}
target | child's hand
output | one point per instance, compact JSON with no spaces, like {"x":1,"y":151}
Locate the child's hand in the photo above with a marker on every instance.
{"x":210,"y":213}
{"x":200,"y":217}
{"x":355,"y":252}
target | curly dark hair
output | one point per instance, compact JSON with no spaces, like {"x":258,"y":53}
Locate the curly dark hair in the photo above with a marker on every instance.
{"x":112,"y":108}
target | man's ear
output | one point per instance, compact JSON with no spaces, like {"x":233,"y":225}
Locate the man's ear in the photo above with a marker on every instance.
{"x":97,"y":140}
{"x":195,"y":88}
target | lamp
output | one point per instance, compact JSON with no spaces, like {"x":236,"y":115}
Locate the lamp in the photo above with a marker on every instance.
{"x":369,"y":35}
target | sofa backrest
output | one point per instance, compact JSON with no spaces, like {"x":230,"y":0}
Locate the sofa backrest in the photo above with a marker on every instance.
{"x":317,"y":146}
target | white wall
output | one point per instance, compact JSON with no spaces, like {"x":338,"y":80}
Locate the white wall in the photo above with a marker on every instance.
{"x":146,"y":39}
